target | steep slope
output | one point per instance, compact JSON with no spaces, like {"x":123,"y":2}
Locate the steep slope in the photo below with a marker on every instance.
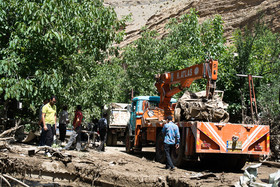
{"x":154,"y":14}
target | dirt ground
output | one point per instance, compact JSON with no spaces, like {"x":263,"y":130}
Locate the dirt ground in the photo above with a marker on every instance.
{"x":111,"y":168}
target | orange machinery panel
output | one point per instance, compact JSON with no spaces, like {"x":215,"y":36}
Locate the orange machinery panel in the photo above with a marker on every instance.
{"x":231,"y":138}
{"x":151,"y":134}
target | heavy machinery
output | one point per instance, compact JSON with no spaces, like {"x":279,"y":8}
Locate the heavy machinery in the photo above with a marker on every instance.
{"x":211,"y":142}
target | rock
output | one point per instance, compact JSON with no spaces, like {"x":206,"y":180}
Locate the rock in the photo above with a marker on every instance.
{"x":112,"y":163}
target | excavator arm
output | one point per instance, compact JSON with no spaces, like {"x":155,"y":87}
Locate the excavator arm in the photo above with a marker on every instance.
{"x":184,"y":78}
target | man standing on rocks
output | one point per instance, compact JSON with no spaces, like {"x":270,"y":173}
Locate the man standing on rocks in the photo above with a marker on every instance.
{"x":171,"y":137}
{"x":49,"y":121}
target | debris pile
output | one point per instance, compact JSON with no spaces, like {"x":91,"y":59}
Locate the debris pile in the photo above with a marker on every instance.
{"x":195,"y":106}
{"x":250,"y":178}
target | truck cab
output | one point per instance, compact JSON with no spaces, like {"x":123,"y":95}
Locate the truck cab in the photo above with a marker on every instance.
{"x":139,"y":106}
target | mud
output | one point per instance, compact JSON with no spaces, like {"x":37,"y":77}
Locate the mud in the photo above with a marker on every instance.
{"x":111,"y":168}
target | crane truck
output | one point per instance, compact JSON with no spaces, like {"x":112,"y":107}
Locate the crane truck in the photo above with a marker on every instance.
{"x":211,"y":142}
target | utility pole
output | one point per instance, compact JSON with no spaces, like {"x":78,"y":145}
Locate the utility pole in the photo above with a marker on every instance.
{"x":132,"y":94}
{"x":253,"y":100}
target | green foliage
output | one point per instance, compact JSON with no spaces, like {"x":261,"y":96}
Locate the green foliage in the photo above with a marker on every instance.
{"x":269,"y":105}
{"x":58,"y":47}
{"x":257,"y":53}
{"x":31,"y":127}
{"x":142,"y":60}
{"x":187,"y":43}
{"x":65,"y":48}
{"x":254,"y":51}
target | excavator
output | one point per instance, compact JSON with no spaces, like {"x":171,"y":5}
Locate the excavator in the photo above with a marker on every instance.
{"x":209,"y":142}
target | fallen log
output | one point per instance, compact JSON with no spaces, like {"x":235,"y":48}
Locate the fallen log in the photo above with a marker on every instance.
{"x":29,"y":137}
{"x":5,"y":180}
{"x":7,"y":138}
{"x":273,"y":164}
{"x":14,"y":179}
{"x":10,"y":131}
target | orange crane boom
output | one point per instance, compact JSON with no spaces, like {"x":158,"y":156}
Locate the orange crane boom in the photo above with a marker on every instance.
{"x":184,"y":78}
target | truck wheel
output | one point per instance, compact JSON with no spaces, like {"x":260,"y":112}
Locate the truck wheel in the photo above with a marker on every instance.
{"x":160,"y":154}
{"x":128,"y":143}
{"x":114,"y":139}
{"x":139,"y":147}
{"x":177,"y":155}
{"x":109,"y":138}
{"x":241,"y":162}
{"x":234,"y":162}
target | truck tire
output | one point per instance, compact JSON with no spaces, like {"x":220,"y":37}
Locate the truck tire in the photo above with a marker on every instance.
{"x":234,"y":162}
{"x":114,"y":139}
{"x":160,"y":154}
{"x":177,"y":155}
{"x":109,"y":138}
{"x":241,"y":162}
{"x":227,"y":162}
{"x":128,"y":143}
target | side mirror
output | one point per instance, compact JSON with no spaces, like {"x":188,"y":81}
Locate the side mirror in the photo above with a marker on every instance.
{"x":129,"y":109}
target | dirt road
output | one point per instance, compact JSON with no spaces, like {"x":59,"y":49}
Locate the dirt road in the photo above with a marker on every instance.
{"x":111,"y":168}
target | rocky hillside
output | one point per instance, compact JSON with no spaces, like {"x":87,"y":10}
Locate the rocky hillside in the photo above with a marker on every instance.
{"x":154,"y":14}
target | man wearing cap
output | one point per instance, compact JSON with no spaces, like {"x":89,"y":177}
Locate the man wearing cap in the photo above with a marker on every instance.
{"x":172,"y":137}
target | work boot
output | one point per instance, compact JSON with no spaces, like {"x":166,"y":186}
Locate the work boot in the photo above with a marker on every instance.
{"x":172,"y":169}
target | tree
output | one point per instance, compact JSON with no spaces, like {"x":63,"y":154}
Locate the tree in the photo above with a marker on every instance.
{"x":141,"y":61}
{"x":186,"y":44}
{"x":55,"y":47}
{"x":256,"y":52}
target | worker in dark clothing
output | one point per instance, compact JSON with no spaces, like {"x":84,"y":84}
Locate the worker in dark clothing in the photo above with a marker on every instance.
{"x":171,"y":138}
{"x":63,"y":121}
{"x":102,"y":127}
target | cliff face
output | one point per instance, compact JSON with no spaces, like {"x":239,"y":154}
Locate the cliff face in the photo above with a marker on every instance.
{"x":154,"y":14}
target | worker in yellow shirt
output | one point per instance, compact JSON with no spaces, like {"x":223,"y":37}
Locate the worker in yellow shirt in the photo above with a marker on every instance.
{"x":49,"y":122}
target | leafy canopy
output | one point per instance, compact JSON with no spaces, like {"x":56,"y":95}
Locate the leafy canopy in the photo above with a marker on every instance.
{"x":254,"y":51}
{"x":62,"y":48}
{"x":257,"y":51}
{"x":58,"y":47}
{"x":187,"y":43}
